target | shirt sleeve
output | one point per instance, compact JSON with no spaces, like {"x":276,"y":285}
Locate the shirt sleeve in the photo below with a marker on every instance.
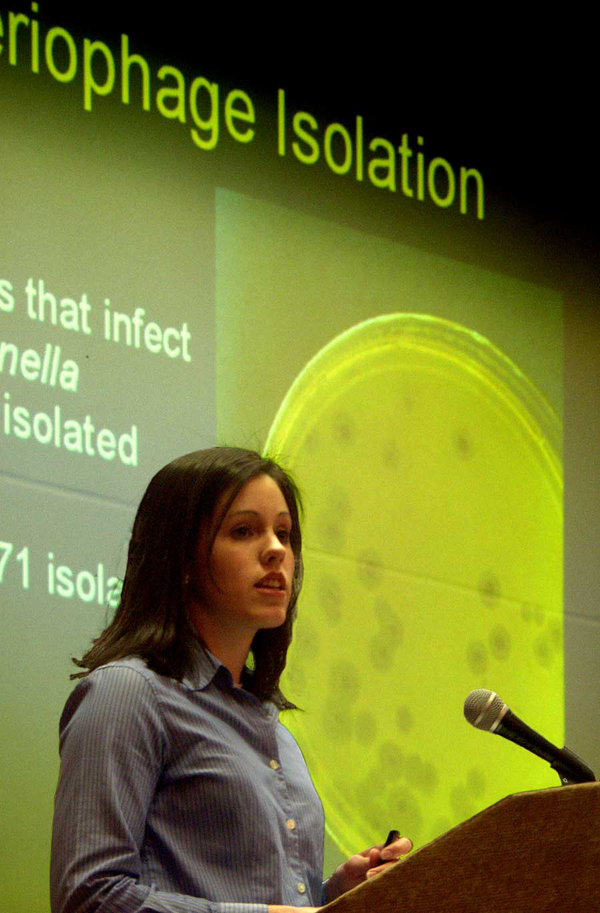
{"x":112,"y":749}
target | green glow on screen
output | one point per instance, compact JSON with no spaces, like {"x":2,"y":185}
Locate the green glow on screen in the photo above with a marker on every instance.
{"x":432,"y":478}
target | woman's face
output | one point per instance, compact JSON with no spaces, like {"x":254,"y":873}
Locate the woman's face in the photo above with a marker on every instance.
{"x":245,"y":583}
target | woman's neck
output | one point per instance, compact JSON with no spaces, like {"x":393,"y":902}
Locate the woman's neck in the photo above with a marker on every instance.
{"x":232,"y":651}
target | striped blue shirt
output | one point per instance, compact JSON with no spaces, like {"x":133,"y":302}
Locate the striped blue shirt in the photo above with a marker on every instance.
{"x":180,"y":797}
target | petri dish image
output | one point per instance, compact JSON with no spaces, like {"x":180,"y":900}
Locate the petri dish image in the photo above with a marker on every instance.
{"x":431,"y":474}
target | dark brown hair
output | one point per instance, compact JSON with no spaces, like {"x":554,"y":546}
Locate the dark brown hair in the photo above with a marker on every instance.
{"x":152,"y":619}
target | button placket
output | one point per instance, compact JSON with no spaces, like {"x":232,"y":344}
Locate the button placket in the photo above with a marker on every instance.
{"x":292,"y":826}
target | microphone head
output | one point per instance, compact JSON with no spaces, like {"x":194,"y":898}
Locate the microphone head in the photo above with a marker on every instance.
{"x":484,"y":709}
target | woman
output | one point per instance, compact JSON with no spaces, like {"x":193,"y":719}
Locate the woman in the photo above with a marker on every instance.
{"x":179,"y":788}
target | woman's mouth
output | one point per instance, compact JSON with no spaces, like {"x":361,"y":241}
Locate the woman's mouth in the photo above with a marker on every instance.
{"x":275,"y":582}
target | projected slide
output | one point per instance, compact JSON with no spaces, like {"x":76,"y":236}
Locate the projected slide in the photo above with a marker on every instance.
{"x":223,"y":266}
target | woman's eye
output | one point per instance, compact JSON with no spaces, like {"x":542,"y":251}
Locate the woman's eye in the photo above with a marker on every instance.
{"x":284,"y":535}
{"x":241,"y":532}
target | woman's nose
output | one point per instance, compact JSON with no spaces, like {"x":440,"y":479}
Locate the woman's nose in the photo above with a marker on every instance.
{"x":274,"y":549}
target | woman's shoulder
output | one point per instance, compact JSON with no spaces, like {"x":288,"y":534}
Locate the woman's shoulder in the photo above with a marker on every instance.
{"x":129,"y":672}
{"x":116,"y":710}
{"x":121,"y":687}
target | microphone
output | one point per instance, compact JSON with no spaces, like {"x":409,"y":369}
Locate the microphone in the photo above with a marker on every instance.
{"x":485,"y":710}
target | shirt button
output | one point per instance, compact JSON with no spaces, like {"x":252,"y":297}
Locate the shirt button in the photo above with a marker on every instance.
{"x":301,"y":888}
{"x":291,"y":823}
{"x":273,"y":764}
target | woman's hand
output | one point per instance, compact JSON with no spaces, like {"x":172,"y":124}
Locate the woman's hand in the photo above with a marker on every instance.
{"x":365,"y":865}
{"x":357,"y":869}
{"x":280,"y":908}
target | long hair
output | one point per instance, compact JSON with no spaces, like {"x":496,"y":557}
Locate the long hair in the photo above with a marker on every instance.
{"x":152,"y":620}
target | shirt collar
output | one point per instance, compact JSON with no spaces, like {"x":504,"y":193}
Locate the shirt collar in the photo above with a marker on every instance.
{"x":206,"y":668}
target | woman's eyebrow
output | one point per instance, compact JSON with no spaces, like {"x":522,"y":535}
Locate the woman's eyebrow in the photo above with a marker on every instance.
{"x":255,"y":513}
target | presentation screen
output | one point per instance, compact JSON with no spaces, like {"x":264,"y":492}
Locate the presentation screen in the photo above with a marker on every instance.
{"x":196,"y":254}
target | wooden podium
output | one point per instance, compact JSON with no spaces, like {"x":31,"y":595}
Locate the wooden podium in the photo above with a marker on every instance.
{"x":530,"y":853}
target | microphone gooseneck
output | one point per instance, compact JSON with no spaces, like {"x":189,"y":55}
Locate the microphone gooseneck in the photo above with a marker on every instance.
{"x":486,"y":710}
